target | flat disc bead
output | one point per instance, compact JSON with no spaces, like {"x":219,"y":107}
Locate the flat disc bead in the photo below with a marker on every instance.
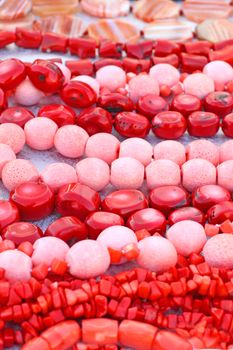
{"x":111,"y":77}
{"x":150,"y":219}
{"x":58,"y":174}
{"x":9,"y":213}
{"x":162,"y":172}
{"x":142,"y":85}
{"x":127,"y":173}
{"x":93,"y":83}
{"x":93,"y":172}
{"x":198,"y":84}
{"x":137,"y":148}
{"x":165,"y":74}
{"x":204,"y":197}
{"x":13,"y":136}
{"x":104,"y":146}
{"x":10,"y":259}
{"x":221,"y":72}
{"x":203,"y":149}
{"x":46,"y":249}
{"x":6,"y":155}
{"x":198,"y":172}
{"x":20,"y":232}
{"x":17,"y":115}
{"x":226,"y":151}
{"x":26,"y":94}
{"x":224,"y":174}
{"x":171,"y":150}
{"x":218,"y":251}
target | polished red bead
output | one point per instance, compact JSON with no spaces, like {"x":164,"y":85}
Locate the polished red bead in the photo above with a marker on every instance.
{"x":82,"y":47}
{"x":9,"y":213}
{"x":225,"y":54}
{"x":136,"y":66}
{"x":80,"y":67}
{"x":219,"y":102}
{"x":165,"y":47}
{"x":227,"y":125}
{"x":6,"y":38}
{"x":115,"y":103}
{"x":110,"y":49}
{"x":34,"y":200}
{"x":78,"y":94}
{"x":77,"y":200}
{"x":186,"y":104}
{"x":17,"y":115}
{"x":95,"y":120}
{"x":28,"y":39}
{"x":107,"y":62}
{"x":169,"y":125}
{"x":150,"y":105}
{"x":186,"y":213}
{"x":191,"y":63}
{"x":60,"y":114}
{"x":131,"y":124}
{"x":54,"y":42}
{"x":3,"y":100}
{"x":203,"y":124}
{"x":172,"y":59}
{"x":20,"y":232}
{"x":140,"y":50}
{"x":149,"y":219}
{"x":198,"y":47}
{"x":12,"y":73}
{"x":100,"y":220}
{"x":220,"y":212}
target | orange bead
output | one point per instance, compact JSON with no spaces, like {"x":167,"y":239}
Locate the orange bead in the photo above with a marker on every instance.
{"x":167,"y":340}
{"x":37,"y":343}
{"x":100,"y":331}
{"x":115,"y":255}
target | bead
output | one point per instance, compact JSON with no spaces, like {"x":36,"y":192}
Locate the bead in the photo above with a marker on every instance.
{"x":17,"y":115}
{"x":172,"y":59}
{"x":3,"y":101}
{"x":70,"y":141}
{"x":186,"y":104}
{"x":107,"y":62}
{"x":221,"y":72}
{"x":80,"y":67}
{"x":186,"y":213}
{"x":227,"y":125}
{"x":26,"y":94}
{"x":93,"y":83}
{"x":149,"y":105}
{"x":203,"y":149}
{"x":171,"y":150}
{"x":187,"y":236}
{"x":220,"y":212}
{"x":191,"y":63}
{"x":9,"y":213}
{"x":132,"y":65}
{"x":219,"y":102}
{"x":12,"y":72}
{"x":103,"y":146}
{"x":82,"y":47}
{"x":137,"y":148}
{"x":56,"y":175}
{"x":54,"y":42}
{"x":140,"y":50}
{"x":115,"y":103}
{"x":93,"y":172}
{"x":60,"y":114}
{"x":204,"y":197}
{"x":198,"y":172}
{"x":100,"y":331}
{"x":224,"y":174}
{"x":203,"y":124}
{"x":95,"y":120}
{"x":27,"y":38}
{"x":20,"y":232}
{"x":142,"y":85}
{"x":111,"y":49}
{"x":149,"y":219}
{"x":162,"y":172}
{"x":13,"y":136}
{"x":6,"y":155}
{"x":46,"y":249}
{"x":163,"y":340}
{"x":226,"y":151}
{"x":106,"y":9}
{"x":218,"y":251}
{"x":103,"y":74}
{"x":9,"y":259}
{"x":78,"y":94}
{"x":6,"y":38}
{"x":198,"y":84}
{"x":127,"y":173}
{"x":131,"y":124}
{"x":169,"y":125}
{"x":165,"y":74}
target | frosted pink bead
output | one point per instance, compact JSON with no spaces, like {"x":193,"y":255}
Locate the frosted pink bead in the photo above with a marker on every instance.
{"x":27,"y":94}
{"x":70,"y":141}
{"x":218,"y":251}
{"x":165,"y":74}
{"x":221,"y":72}
{"x":18,"y":171}
{"x":187,"y":236}
{"x":46,"y":249}
{"x":93,"y":83}
{"x":226,"y":151}
{"x":198,"y":172}
{"x":198,"y":84}
{"x":127,"y":172}
{"x":58,"y":174}
{"x":142,"y":85}
{"x":156,"y":254}
{"x":13,"y":136}
{"x":6,"y":154}
{"x":162,"y":172}
{"x":225,"y":174}
{"x":137,"y":148}
{"x":40,"y":133}
{"x":93,"y":172}
{"x":104,"y":146}
{"x":170,"y":149}
{"x":17,"y":265}
{"x":111,"y":77}
{"x":203,"y":149}
{"x":88,"y":258}
{"x":65,"y":71}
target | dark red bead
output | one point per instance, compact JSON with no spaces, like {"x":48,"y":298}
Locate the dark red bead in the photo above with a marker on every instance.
{"x":3,"y":100}
{"x":60,"y":114}
{"x":136,"y":66}
{"x":168,"y":198}
{"x":17,"y":115}
{"x":115,"y":103}
{"x":107,"y":62}
{"x":149,"y":219}
{"x":95,"y":120}
{"x":82,"y":47}
{"x":77,"y":200}
{"x":12,"y":73}
{"x":169,"y":125}
{"x":191,"y":63}
{"x":220,"y":212}
{"x":34,"y":200}
{"x":150,"y":105}
{"x":78,"y":94}
{"x":100,"y":220}
{"x":198,"y":47}
{"x":203,"y":124}
{"x":219,"y":102}
{"x":227,"y":125}
{"x":80,"y":67}
{"x":164,"y":47}
{"x":172,"y":59}
{"x":186,"y":104}
{"x":53,"y":42}
{"x":186,"y":213}
{"x":110,"y":49}
{"x":28,"y":39}
{"x":6,"y":38}
{"x":9,"y":213}
{"x":131,"y":124}
{"x":140,"y":50}
{"x":20,"y":232}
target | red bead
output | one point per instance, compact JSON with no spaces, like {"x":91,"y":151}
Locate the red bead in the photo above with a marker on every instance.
{"x":9,"y":213}
{"x":54,"y":42}
{"x":60,"y":114}
{"x":131,"y":124}
{"x":149,"y":219}
{"x":17,"y":115}
{"x":227,"y":125}
{"x":77,"y":200}
{"x":82,"y":47}
{"x":150,"y":105}
{"x":186,"y":104}
{"x":12,"y":73}
{"x":225,"y":54}
{"x":115,"y":103}
{"x":191,"y":63}
{"x":220,"y":212}
{"x":219,"y":102}
{"x":140,"y":50}
{"x":28,"y":39}
{"x":169,"y":125}
{"x":67,"y":228}
{"x":34,"y":200}
{"x":186,"y":213}
{"x":20,"y":232}
{"x":6,"y":38}
{"x":95,"y":120}
{"x":78,"y":94}
{"x":110,"y":49}
{"x":164,"y":47}
{"x":136,"y":66}
{"x":172,"y":59}
{"x":203,"y":124}
{"x":3,"y":100}
{"x":198,"y":47}
{"x":80,"y":67}
{"x":100,"y":220}
{"x":107,"y":62}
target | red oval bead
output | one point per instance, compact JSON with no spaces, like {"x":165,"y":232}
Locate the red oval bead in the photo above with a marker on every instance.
{"x":206,"y":196}
{"x":12,"y":73}
{"x":17,"y":115}
{"x":219,"y":102}
{"x":131,"y":124}
{"x":169,"y":125}
{"x":19,"y":232}
{"x":149,"y":219}
{"x":34,"y":200}
{"x":3,"y":100}
{"x":203,"y":124}
{"x":186,"y":104}
{"x":67,"y":228}
{"x":150,"y":105}
{"x":78,"y":94}
{"x":77,"y":200}
{"x":115,"y":103}
{"x":60,"y":114}
{"x":220,"y":212}
{"x":95,"y":120}
{"x":9,"y":213}
{"x":100,"y":220}
{"x":227,"y":125}
{"x":186,"y":213}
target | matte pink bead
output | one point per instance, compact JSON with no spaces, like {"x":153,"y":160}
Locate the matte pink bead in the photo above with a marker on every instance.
{"x":70,"y":141}
{"x":142,"y":85}
{"x":170,"y":149}
{"x":127,"y":173}
{"x":17,"y":265}
{"x":218,"y":251}
{"x":138,"y":148}
{"x":88,"y":259}
{"x":93,"y":83}
{"x":104,"y":146}
{"x":46,"y":249}
{"x":156,"y":254}
{"x":162,"y":172}
{"x":26,"y":94}
{"x":40,"y":133}
{"x":203,"y":149}
{"x":111,"y":77}
{"x":165,"y":74}
{"x":198,"y":172}
{"x":6,"y":154}
{"x":187,"y":236}
{"x":225,"y":175}
{"x":226,"y":151}
{"x":58,"y":174}
{"x":13,"y":136}
{"x":93,"y":172}
{"x":221,"y":72}
{"x":198,"y":84}
{"x":18,"y":171}
{"x":65,"y":71}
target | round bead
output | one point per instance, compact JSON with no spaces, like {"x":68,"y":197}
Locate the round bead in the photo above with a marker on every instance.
{"x":219,"y":102}
{"x":187,"y":236}
{"x":218,"y":251}
{"x":10,"y":259}
{"x":60,"y":114}
{"x":171,"y":150}
{"x":93,"y":172}
{"x":186,"y":104}
{"x":162,"y":172}
{"x":131,"y":124}
{"x":20,"y":232}
{"x":165,"y":74}
{"x":221,"y":72}
{"x":186,"y":213}
{"x":17,"y":115}
{"x":78,"y":94}
{"x":142,"y":85}
{"x":149,"y":219}
{"x":137,"y":148}
{"x":104,"y":73}
{"x":70,"y":141}
{"x":9,"y":213}
{"x":95,"y":120}
{"x":56,"y":175}
{"x":103,"y":146}
{"x":169,"y":125}
{"x":204,"y":197}
{"x":224,"y":174}
{"x":26,"y":94}
{"x":46,"y":249}
{"x":198,"y":172}
{"x":226,"y":151}
{"x":12,"y":73}
{"x":198,"y":84}
{"x":13,"y":136}
{"x":151,"y":104}
{"x":156,"y":254}
{"x":93,"y":83}
{"x":6,"y":155}
{"x":203,"y":149}
{"x":227,"y":125}
{"x":127,"y":173}
{"x":203,"y":124}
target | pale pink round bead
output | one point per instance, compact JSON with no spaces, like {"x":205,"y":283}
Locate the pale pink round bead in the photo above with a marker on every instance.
{"x":218,"y":251}
{"x":225,"y":175}
{"x":58,"y":174}
{"x":18,"y":171}
{"x":162,"y":172}
{"x":138,"y":148}
{"x":142,"y":85}
{"x":198,"y":84}
{"x":88,"y":258}
{"x":111,"y":77}
{"x":170,"y":149}
{"x":165,"y":74}
{"x":17,"y":265}
{"x":12,"y":135}
{"x":187,"y":236}
{"x":93,"y":172}
{"x":226,"y":151}
{"x":46,"y":249}
{"x":26,"y":94}
{"x":127,"y":172}
{"x":156,"y":254}
{"x":221,"y":72}
{"x":203,"y":149}
{"x":198,"y":172}
{"x":40,"y":133}
{"x":70,"y":141}
{"x":104,"y":146}
{"x":93,"y":83}
{"x":6,"y":155}
{"x":65,"y":71}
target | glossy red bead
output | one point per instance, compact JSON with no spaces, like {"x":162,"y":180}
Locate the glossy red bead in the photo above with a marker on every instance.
{"x":227,"y":125}
{"x":169,"y":125}
{"x":60,"y":114}
{"x":165,"y":47}
{"x":220,"y":212}
{"x":186,"y":104}
{"x":3,"y":100}
{"x":80,"y":67}
{"x":54,"y":42}
{"x":149,"y":219}
{"x":191,"y":63}
{"x":172,"y":59}
{"x":131,"y":124}
{"x":95,"y":120}
{"x":136,"y":66}
{"x":115,"y":103}
{"x":100,"y":220}
{"x":77,"y":200}
{"x":6,"y":38}
{"x":9,"y":213}
{"x":203,"y":124}
{"x":140,"y":50}
{"x":34,"y":200}
{"x":17,"y":115}
{"x":12,"y":73}
{"x":20,"y":232}
{"x":28,"y":39}
{"x":186,"y":213}
{"x":150,"y":105}
{"x":82,"y":47}
{"x":107,"y":62}
{"x":78,"y":94}
{"x":110,"y":49}
{"x":198,"y":47}
{"x":219,"y":102}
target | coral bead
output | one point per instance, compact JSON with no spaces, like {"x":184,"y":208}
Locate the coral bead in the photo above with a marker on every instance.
{"x":17,"y":115}
{"x":142,"y":85}
{"x":93,"y":83}
{"x":131,"y":124}
{"x":186,"y":104}
{"x":56,"y":175}
{"x":13,"y":136}
{"x":10,"y":259}
{"x":151,"y":104}
{"x":6,"y":155}
{"x":221,"y":72}
{"x":169,"y":125}
{"x":227,"y":125}
{"x":165,"y":74}
{"x":162,"y":172}
{"x":3,"y":100}
{"x":12,"y":73}
{"x":171,"y":150}
{"x":203,"y":124}
{"x":95,"y":120}
{"x":219,"y":102}
{"x":137,"y":148}
{"x":224,"y":174}
{"x":198,"y":172}
{"x":46,"y":249}
{"x":186,"y":213}
{"x":226,"y":151}
{"x":20,"y":232}
{"x":218,"y":251}
{"x":27,"y":94}
{"x":203,"y":149}
{"x":9,"y":213}
{"x":78,"y":94}
{"x":198,"y":84}
{"x":88,"y":167}
{"x":60,"y":114}
{"x":127,"y":173}
{"x":204,"y":197}
{"x":220,"y":212}
{"x":103,"y":74}
{"x":100,"y":331}
{"x":103,"y":146}
{"x":150,"y":219}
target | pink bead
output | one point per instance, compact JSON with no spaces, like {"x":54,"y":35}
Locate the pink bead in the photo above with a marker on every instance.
{"x":198,"y":84}
{"x":88,"y":259}
{"x":187,"y":236}
{"x":221,"y":72}
{"x":26,"y":94}
{"x":170,"y":149}
{"x":13,"y":136}
{"x":226,"y":151}
{"x":218,"y":251}
{"x":93,"y":83}
{"x":127,"y":173}
{"x":165,"y":74}
{"x":137,"y":148}
{"x":40,"y":133}
{"x":225,"y":175}
{"x":70,"y":141}
{"x":6,"y":155}
{"x":18,"y":171}
{"x":203,"y":149}
{"x":65,"y":71}
{"x":156,"y":254}
{"x":58,"y":174}
{"x":104,"y":146}
{"x":17,"y":265}
{"x":198,"y":172}
{"x":111,"y":77}
{"x":46,"y":249}
{"x":162,"y":172}
{"x":93,"y":172}
{"x":142,"y":85}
